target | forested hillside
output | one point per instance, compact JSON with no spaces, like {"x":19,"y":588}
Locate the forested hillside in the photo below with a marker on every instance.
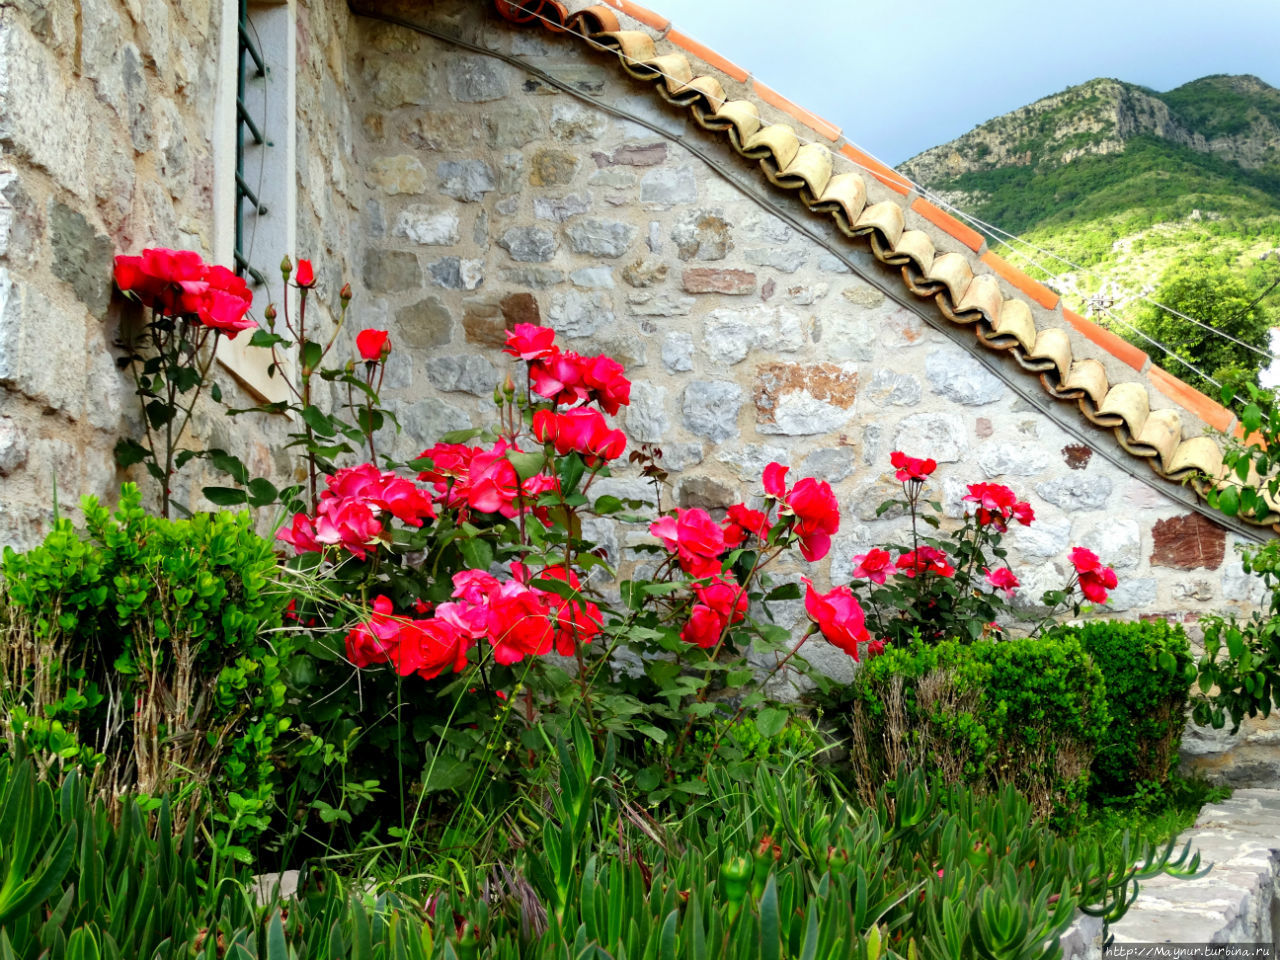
{"x":1173,"y":196}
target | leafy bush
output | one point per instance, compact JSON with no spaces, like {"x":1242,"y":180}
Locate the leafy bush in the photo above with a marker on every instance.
{"x":1148,"y":670}
{"x":1227,"y":305}
{"x":1240,"y":669}
{"x":1030,"y":712}
{"x":141,"y":648}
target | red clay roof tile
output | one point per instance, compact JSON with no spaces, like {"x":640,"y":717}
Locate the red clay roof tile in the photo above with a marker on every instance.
{"x":707,"y":55}
{"x":643,"y":14}
{"x":1188,"y":397}
{"x":887,"y":175}
{"x":808,"y":118}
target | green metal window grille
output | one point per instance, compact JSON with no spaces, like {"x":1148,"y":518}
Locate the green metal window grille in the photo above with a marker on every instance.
{"x":246,"y":127}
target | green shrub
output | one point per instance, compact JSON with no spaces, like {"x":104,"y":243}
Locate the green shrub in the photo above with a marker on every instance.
{"x":1029,"y":712}
{"x":1148,"y":671}
{"x":138,"y":648}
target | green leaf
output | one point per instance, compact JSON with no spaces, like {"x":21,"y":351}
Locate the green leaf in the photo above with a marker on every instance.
{"x":158,"y":413}
{"x":607,"y":504}
{"x":225,"y":496}
{"x":318,"y":420}
{"x":129,"y":451}
{"x":571,"y":471}
{"x":277,"y":947}
{"x":448,"y":773}
{"x":311,"y":354}
{"x":461,"y":436}
{"x":1251,"y":418}
{"x":265,"y":338}
{"x":770,"y":721}
{"x":229,"y":464}
{"x":477,"y":553}
{"x":527,"y":464}
{"x":1229,"y":501}
{"x":261,"y":492}
{"x":784,"y":591}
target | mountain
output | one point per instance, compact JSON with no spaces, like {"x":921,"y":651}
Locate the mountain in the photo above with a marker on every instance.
{"x":1130,"y":184}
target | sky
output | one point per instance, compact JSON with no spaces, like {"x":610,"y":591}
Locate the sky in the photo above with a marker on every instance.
{"x":902,"y":78}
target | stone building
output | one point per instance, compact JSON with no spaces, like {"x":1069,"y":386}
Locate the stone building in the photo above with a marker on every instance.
{"x":775,"y":293}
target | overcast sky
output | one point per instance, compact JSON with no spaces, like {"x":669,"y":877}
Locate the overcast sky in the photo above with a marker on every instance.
{"x":905,"y":79}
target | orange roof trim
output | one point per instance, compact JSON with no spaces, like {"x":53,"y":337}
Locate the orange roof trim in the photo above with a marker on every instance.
{"x":707,"y":55}
{"x":1188,"y":397}
{"x":643,"y":14}
{"x":946,"y":222}
{"x":1117,"y":346}
{"x":1034,"y":289}
{"x":807,"y":117}
{"x":887,"y":175}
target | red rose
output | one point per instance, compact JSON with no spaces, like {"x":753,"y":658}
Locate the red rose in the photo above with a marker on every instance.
{"x":817,"y":514}
{"x":430,"y":647}
{"x":703,"y":628}
{"x":911,"y":468}
{"x":812,"y":503}
{"x":924,"y":560}
{"x":695,"y":538}
{"x":582,"y":430}
{"x":1023,"y":513}
{"x":374,"y":641}
{"x":775,"y":480}
{"x":1095,"y":579}
{"x":874,"y":565}
{"x":528,"y":341}
{"x":373,"y":345}
{"x":518,"y":623}
{"x":742,"y":522}
{"x":1003,"y":579}
{"x":558,"y":377}
{"x":838,"y":615}
{"x":725,"y":597}
{"x":605,"y":384}
{"x":305,"y":277}
{"x":492,"y":485}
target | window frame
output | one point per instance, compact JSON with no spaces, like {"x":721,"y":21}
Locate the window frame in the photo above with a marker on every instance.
{"x":246,"y":235}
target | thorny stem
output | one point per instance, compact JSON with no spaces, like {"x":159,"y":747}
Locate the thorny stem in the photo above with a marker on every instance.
{"x":306,"y":397}
{"x":705,"y":690}
{"x":813,"y":628}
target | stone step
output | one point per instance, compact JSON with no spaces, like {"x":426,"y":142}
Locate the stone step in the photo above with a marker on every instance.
{"x":1235,"y":902}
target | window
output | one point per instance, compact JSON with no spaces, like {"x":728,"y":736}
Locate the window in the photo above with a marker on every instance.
{"x":254,"y":147}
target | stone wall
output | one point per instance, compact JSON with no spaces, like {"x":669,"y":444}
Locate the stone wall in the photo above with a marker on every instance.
{"x":496,"y":198}
{"x":106,"y":147}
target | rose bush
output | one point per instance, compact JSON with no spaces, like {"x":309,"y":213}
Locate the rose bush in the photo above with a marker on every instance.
{"x":192,"y":305}
{"x":480,"y":580}
{"x":956,"y":586}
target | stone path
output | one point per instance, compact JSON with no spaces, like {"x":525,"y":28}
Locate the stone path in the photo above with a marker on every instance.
{"x":1234,"y":903}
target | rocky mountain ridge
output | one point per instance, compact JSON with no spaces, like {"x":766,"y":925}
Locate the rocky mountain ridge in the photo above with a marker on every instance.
{"x":1236,"y":118}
